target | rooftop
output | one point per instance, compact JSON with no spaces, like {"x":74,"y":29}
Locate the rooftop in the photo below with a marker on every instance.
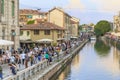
{"x":31,"y":11}
{"x":42,"y":26}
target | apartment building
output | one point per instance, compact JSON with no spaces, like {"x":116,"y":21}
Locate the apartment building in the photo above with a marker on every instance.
{"x":9,"y":27}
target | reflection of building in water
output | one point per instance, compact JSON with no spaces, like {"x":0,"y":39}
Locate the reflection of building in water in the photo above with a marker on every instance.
{"x":93,"y":42}
{"x":116,"y":57}
{"x":64,"y":74}
{"x":75,"y":62}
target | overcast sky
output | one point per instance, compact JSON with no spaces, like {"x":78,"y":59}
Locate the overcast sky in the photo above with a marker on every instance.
{"x":88,"y":11}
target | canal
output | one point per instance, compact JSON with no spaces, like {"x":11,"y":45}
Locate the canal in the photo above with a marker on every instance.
{"x":98,"y":60}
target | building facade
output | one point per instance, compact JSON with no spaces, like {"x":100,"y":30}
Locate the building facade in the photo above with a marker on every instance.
{"x":39,"y":31}
{"x":116,"y":23}
{"x":60,"y":18}
{"x":9,"y":27}
{"x":74,"y":26}
{"x":29,"y":14}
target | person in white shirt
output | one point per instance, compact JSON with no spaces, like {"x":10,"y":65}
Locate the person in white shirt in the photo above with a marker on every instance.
{"x":12,"y":59}
{"x":36,"y":49}
{"x":23,"y":57}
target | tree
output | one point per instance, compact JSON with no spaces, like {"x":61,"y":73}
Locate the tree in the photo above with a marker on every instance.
{"x":91,"y":24}
{"x":102,"y":27}
{"x":80,"y":27}
{"x":31,"y":22}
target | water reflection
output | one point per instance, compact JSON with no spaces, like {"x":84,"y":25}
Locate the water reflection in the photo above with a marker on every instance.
{"x":102,"y":48}
{"x":116,"y":57}
{"x":75,"y":65}
{"x":76,"y":62}
{"x":65,"y":73}
{"x":89,"y":65}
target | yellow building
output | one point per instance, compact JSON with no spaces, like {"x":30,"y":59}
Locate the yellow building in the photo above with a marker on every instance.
{"x":45,"y":30}
{"x":60,"y":18}
{"x":26,"y":15}
{"x":74,"y":26}
{"x":117,"y":23}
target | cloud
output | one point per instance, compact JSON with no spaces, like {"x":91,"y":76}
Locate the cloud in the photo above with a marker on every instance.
{"x":75,"y":4}
{"x":108,"y":5}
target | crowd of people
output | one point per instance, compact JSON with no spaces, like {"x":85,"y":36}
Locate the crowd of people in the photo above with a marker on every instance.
{"x":25,"y":57}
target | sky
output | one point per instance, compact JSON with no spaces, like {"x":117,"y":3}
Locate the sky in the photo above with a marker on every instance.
{"x":88,"y":11}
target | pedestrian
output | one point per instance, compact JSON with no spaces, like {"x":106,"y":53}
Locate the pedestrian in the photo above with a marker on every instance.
{"x":13,"y":68}
{"x":32,"y":59}
{"x":39,"y":56}
{"x":23,"y":57}
{"x":47,"y":57}
{"x":1,"y":74}
{"x":26,"y":60}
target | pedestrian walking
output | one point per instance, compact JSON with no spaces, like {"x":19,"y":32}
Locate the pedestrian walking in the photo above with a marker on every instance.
{"x":13,"y":68}
{"x":23,"y":57}
{"x":1,"y":74}
{"x":26,"y":60}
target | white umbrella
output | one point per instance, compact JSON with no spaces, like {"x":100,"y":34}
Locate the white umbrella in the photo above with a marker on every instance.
{"x":6,"y":42}
{"x":45,"y":40}
{"x":74,"y":37}
{"x":61,"y":39}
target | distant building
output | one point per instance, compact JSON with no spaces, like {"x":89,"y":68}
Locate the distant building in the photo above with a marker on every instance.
{"x":56,"y":16}
{"x":59,"y":17}
{"x":116,"y":23}
{"x":74,"y":26}
{"x":39,"y":31}
{"x":26,"y":15}
{"x":9,"y":27}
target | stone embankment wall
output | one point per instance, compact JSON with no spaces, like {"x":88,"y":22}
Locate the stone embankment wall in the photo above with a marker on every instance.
{"x":55,"y":70}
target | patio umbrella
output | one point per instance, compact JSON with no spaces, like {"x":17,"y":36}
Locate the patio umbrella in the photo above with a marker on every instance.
{"x":74,"y":37}
{"x":6,"y":42}
{"x":45,"y":40}
{"x":60,"y":39}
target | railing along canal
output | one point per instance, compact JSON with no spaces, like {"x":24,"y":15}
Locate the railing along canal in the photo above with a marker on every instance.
{"x":32,"y":70}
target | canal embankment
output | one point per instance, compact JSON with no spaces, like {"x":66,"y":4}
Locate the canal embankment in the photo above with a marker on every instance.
{"x":55,"y":70}
{"x":43,"y":71}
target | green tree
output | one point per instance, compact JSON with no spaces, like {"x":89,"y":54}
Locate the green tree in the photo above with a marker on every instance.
{"x":102,"y":27}
{"x":31,"y":22}
{"x":80,"y":27}
{"x":91,"y":24}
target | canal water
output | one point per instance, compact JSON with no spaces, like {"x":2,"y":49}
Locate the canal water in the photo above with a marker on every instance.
{"x":98,"y":60}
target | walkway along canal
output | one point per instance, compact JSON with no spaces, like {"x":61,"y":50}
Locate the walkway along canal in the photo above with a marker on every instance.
{"x":42,"y":71}
{"x":98,"y":60}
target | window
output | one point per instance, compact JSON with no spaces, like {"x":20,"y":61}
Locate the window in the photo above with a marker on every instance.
{"x":36,"y":32}
{"x":13,"y":8}
{"x":2,"y":6}
{"x":28,"y":33}
{"x":3,"y":33}
{"x":29,"y":16}
{"x":47,"y":32}
{"x":21,"y":33}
